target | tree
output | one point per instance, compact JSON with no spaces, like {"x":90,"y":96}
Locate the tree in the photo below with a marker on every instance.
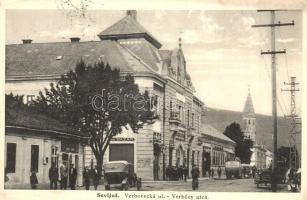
{"x":97,"y":101}
{"x":243,"y":145}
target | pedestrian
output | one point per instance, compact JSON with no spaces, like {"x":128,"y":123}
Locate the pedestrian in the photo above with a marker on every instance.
{"x":53,"y":176}
{"x":180,"y":172}
{"x":219,"y":171}
{"x":254,"y":171}
{"x":6,"y":178}
{"x":72,"y":177}
{"x":64,"y":175}
{"x":33,"y":180}
{"x":86,"y":178}
{"x":244,"y":172}
{"x":185,"y":173}
{"x":212,"y":172}
{"x":95,"y":177}
{"x":168,"y":172}
{"x":195,"y":176}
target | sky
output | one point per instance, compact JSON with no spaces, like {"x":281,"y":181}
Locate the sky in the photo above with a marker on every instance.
{"x":221,"y":49}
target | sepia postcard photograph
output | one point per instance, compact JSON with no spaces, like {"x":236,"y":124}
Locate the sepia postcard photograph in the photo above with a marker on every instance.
{"x":187,"y":101}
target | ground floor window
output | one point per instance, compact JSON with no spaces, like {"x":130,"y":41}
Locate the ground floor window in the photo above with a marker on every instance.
{"x":10,"y":157}
{"x":34,"y":158}
{"x":54,"y":155}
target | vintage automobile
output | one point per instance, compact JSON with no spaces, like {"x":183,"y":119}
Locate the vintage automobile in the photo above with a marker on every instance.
{"x":233,"y":168}
{"x":120,"y":174}
{"x":264,"y":176}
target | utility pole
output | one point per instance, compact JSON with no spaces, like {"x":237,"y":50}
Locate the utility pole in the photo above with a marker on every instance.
{"x":273,"y":53}
{"x":293,"y":132}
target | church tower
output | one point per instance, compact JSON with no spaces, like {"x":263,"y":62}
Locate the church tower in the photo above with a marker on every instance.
{"x":249,"y":118}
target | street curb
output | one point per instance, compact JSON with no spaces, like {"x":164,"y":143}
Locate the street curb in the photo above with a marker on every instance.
{"x":161,"y":181}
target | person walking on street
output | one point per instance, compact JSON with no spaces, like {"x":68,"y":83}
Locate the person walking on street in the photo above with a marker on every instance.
{"x":180,"y":172}
{"x":53,"y":177}
{"x":195,"y":176}
{"x":254,"y":171}
{"x":212,"y":172}
{"x":72,"y":177}
{"x":185,"y":173}
{"x":86,"y":178}
{"x":168,"y":173}
{"x":95,"y":176}
{"x":33,"y":180}
{"x":219,"y":172}
{"x":63,"y":174}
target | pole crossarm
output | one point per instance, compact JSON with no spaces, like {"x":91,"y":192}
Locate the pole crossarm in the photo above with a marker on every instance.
{"x":270,"y":10}
{"x":272,"y":52}
{"x":290,"y":90}
{"x":274,"y":25}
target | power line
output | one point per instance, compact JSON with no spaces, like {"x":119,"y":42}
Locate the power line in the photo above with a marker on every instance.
{"x":273,"y":53}
{"x":283,"y":110}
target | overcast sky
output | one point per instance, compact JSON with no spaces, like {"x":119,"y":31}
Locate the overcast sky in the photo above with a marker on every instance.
{"x":221,"y":49}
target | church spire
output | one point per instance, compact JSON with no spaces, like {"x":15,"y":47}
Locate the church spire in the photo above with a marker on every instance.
{"x":249,"y":107}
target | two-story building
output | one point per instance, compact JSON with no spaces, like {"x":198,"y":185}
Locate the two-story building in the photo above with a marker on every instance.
{"x":126,"y":45}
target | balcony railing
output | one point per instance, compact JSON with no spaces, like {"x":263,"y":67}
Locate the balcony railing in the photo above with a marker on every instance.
{"x":175,"y":117}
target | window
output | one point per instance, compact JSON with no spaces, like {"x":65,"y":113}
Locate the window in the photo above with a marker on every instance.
{"x":34,"y":157}
{"x":171,"y":106}
{"x":10,"y":157}
{"x":188,"y":118}
{"x":192,"y":119}
{"x":30,"y":98}
{"x":180,"y":112}
{"x":54,"y":155}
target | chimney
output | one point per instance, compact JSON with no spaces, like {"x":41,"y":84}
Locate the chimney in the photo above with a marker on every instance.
{"x":26,"y":41}
{"x":132,"y":13}
{"x":74,"y":39}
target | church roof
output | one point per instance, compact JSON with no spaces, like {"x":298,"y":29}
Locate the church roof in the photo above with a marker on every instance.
{"x":249,"y":107}
{"x":128,"y":27}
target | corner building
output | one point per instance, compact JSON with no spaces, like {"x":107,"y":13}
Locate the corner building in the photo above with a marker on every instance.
{"x":172,"y":140}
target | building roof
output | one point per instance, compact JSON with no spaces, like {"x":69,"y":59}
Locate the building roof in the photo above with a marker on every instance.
{"x":60,"y":57}
{"x":128,"y":27}
{"x":212,"y":132}
{"x":22,"y":117}
{"x":249,"y":107}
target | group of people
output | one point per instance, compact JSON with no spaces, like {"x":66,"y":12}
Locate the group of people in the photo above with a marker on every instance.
{"x":70,"y":175}
{"x":212,"y":171}
{"x":64,"y":176}
{"x":174,"y":173}
{"x":91,"y":174}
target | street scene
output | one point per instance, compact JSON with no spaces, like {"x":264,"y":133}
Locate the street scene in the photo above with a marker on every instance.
{"x":153,"y":100}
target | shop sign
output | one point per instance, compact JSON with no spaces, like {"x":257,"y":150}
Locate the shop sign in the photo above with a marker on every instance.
{"x":122,"y":139}
{"x":180,"y":136}
{"x":218,"y":148}
{"x":69,"y":146}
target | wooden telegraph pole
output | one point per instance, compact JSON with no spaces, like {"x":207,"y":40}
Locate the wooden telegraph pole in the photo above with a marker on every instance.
{"x":273,"y":53}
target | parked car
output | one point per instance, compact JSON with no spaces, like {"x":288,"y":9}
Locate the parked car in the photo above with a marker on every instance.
{"x":233,"y":168}
{"x":120,"y":174}
{"x":264,"y":176}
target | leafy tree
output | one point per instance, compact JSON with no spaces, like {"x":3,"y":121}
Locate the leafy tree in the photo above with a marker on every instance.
{"x":97,"y":101}
{"x":243,"y":145}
